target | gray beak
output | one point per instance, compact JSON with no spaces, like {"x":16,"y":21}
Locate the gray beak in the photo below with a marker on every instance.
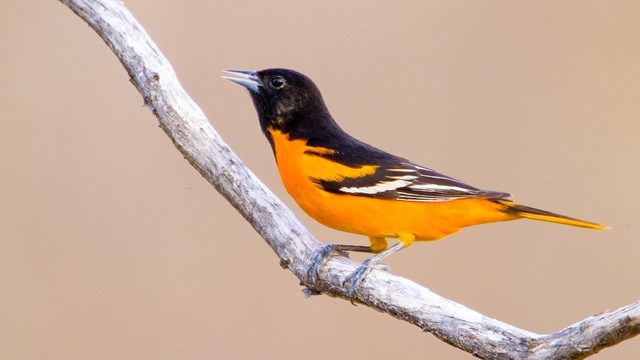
{"x":248,"y":79}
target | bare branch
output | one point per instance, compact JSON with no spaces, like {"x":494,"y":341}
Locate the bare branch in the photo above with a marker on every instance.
{"x":192,"y":134}
{"x":590,"y":335}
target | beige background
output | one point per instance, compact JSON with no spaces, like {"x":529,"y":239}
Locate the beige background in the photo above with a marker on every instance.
{"x":113,"y":247}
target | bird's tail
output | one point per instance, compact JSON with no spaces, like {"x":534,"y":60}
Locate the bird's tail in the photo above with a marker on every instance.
{"x":537,"y":214}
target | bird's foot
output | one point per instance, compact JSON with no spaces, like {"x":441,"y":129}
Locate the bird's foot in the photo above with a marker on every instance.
{"x":321,"y":257}
{"x":355,"y":279}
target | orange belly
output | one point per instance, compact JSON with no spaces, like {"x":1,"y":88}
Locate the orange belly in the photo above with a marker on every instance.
{"x":388,"y":218}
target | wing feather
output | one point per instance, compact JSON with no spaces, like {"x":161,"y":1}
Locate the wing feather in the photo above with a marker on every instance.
{"x":388,"y":176}
{"x":409,"y":182}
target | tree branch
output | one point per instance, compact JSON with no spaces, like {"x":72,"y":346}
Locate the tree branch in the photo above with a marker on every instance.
{"x":195,"y":138}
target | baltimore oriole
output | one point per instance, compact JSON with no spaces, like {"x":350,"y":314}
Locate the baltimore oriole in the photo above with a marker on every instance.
{"x":351,"y":186}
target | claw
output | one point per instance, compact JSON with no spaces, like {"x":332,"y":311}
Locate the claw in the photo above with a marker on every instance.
{"x":320,"y":259}
{"x":356,"y":278}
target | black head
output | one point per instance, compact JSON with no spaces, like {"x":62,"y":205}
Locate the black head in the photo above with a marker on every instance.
{"x":285,"y":100}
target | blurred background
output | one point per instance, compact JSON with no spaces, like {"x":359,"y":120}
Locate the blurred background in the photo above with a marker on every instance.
{"x":113,"y":247}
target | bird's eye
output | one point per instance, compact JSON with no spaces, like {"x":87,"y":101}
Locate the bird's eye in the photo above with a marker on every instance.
{"x":278,"y":82}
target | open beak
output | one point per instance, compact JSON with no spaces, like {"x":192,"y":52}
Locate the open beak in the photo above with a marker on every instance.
{"x":248,"y":79}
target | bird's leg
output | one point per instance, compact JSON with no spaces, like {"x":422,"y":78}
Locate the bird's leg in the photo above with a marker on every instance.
{"x":327,"y":252}
{"x":357,"y":277}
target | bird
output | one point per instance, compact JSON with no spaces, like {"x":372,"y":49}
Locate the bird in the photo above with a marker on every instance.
{"x":349,"y":185}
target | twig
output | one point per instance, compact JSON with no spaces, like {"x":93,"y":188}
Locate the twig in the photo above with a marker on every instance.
{"x":188,"y":128}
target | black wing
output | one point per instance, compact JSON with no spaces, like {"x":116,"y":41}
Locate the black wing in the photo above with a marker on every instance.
{"x":395,"y":178}
{"x":409,"y":182}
